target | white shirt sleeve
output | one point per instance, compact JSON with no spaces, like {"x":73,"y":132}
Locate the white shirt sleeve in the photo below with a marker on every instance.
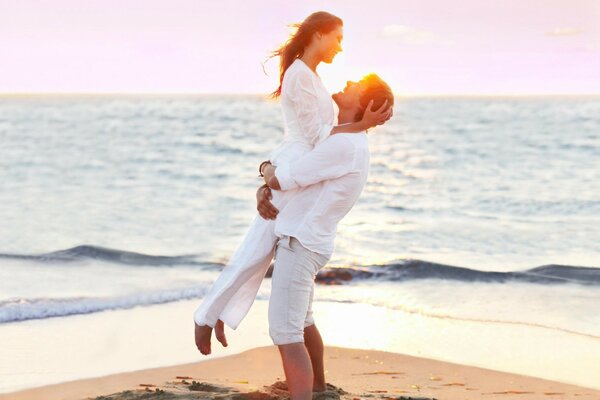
{"x":329,"y":159}
{"x":301,"y":92}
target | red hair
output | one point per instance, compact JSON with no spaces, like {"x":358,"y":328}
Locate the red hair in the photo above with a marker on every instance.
{"x":320,"y":21}
{"x":378,"y":91}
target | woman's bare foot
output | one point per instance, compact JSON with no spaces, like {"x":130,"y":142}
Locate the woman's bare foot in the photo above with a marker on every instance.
{"x":220,"y":332}
{"x":203,"y":334}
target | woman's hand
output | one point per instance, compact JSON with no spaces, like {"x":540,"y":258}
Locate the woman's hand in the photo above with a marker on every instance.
{"x":265,"y":208}
{"x":377,"y":117}
{"x":369,"y":120}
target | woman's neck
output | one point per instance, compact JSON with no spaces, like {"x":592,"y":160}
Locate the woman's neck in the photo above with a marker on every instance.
{"x":311,"y":59}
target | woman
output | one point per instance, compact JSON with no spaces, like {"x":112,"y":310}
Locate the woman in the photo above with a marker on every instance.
{"x":309,"y":118}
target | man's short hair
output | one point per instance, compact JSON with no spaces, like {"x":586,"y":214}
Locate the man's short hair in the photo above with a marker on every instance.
{"x":377,"y":90}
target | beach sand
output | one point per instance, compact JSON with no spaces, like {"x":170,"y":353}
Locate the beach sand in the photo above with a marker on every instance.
{"x":351,"y":373}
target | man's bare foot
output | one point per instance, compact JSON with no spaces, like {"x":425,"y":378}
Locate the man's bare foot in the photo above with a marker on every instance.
{"x":220,"y":332}
{"x":319,"y":388}
{"x":203,"y":334}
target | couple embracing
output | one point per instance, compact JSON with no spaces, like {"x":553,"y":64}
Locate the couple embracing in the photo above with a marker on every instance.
{"x":312,"y":179}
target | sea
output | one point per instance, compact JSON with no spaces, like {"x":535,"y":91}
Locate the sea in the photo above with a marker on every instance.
{"x":476,"y":239}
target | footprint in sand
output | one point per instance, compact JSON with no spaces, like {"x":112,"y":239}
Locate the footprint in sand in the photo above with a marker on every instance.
{"x":280,"y":390}
{"x":206,"y":387}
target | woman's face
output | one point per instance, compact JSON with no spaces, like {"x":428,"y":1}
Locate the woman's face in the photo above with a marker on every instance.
{"x":330,"y":44}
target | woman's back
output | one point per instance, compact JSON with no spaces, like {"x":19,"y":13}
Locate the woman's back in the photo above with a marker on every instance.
{"x":308,"y":112}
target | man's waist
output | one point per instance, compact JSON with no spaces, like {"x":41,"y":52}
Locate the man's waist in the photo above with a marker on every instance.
{"x":318,"y":243}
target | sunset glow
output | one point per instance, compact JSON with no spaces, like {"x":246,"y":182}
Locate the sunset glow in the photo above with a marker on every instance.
{"x":183,"y":46}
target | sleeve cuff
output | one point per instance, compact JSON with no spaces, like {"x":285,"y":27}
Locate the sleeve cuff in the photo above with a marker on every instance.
{"x":282,"y":173}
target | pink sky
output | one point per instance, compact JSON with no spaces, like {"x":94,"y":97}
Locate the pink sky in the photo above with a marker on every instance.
{"x":419,"y":47}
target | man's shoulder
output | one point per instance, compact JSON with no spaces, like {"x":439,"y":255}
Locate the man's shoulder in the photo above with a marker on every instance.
{"x":344,"y":143}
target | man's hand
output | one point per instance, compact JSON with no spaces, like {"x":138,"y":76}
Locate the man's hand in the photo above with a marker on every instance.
{"x":265,"y":208}
{"x":270,"y":178}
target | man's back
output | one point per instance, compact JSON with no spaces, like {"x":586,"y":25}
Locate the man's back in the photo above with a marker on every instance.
{"x":329,"y":180}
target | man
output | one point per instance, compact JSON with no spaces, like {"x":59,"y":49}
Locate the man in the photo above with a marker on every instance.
{"x":233,"y":293}
{"x":329,"y":180}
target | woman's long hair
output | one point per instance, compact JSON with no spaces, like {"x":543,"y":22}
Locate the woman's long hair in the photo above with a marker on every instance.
{"x":319,"y":21}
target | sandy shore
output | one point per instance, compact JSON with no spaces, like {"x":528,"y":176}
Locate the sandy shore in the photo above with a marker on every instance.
{"x":354,"y":373}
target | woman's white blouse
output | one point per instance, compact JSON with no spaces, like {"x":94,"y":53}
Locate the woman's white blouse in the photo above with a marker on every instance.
{"x":308,"y":112}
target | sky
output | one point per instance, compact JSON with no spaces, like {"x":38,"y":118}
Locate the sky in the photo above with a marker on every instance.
{"x":420,"y":47}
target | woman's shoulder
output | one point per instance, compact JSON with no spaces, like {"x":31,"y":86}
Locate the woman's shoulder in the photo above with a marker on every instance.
{"x":297,"y":70}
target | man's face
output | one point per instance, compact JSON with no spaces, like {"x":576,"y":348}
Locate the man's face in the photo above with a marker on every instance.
{"x":349,"y":98}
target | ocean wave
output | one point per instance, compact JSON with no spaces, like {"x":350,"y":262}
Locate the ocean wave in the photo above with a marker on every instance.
{"x":405,"y":270}
{"x":80,"y":253}
{"x":22,"y":309}
{"x":417,"y":269}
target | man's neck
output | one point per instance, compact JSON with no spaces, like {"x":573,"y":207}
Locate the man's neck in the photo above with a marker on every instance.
{"x":346,"y":116}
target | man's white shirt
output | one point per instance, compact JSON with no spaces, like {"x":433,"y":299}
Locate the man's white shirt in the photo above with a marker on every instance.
{"x":329,"y":180}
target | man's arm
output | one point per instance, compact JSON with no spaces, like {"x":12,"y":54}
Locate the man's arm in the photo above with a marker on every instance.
{"x":270,"y":178}
{"x":330,"y":159}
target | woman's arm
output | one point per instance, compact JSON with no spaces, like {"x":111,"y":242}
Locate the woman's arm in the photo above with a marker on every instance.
{"x":300,"y":90}
{"x":370,"y":119}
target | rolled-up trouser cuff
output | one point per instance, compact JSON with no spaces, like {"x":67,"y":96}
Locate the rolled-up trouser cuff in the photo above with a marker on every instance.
{"x":280,"y":339}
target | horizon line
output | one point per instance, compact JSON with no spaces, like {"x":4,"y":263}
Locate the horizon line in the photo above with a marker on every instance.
{"x":16,"y":94}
